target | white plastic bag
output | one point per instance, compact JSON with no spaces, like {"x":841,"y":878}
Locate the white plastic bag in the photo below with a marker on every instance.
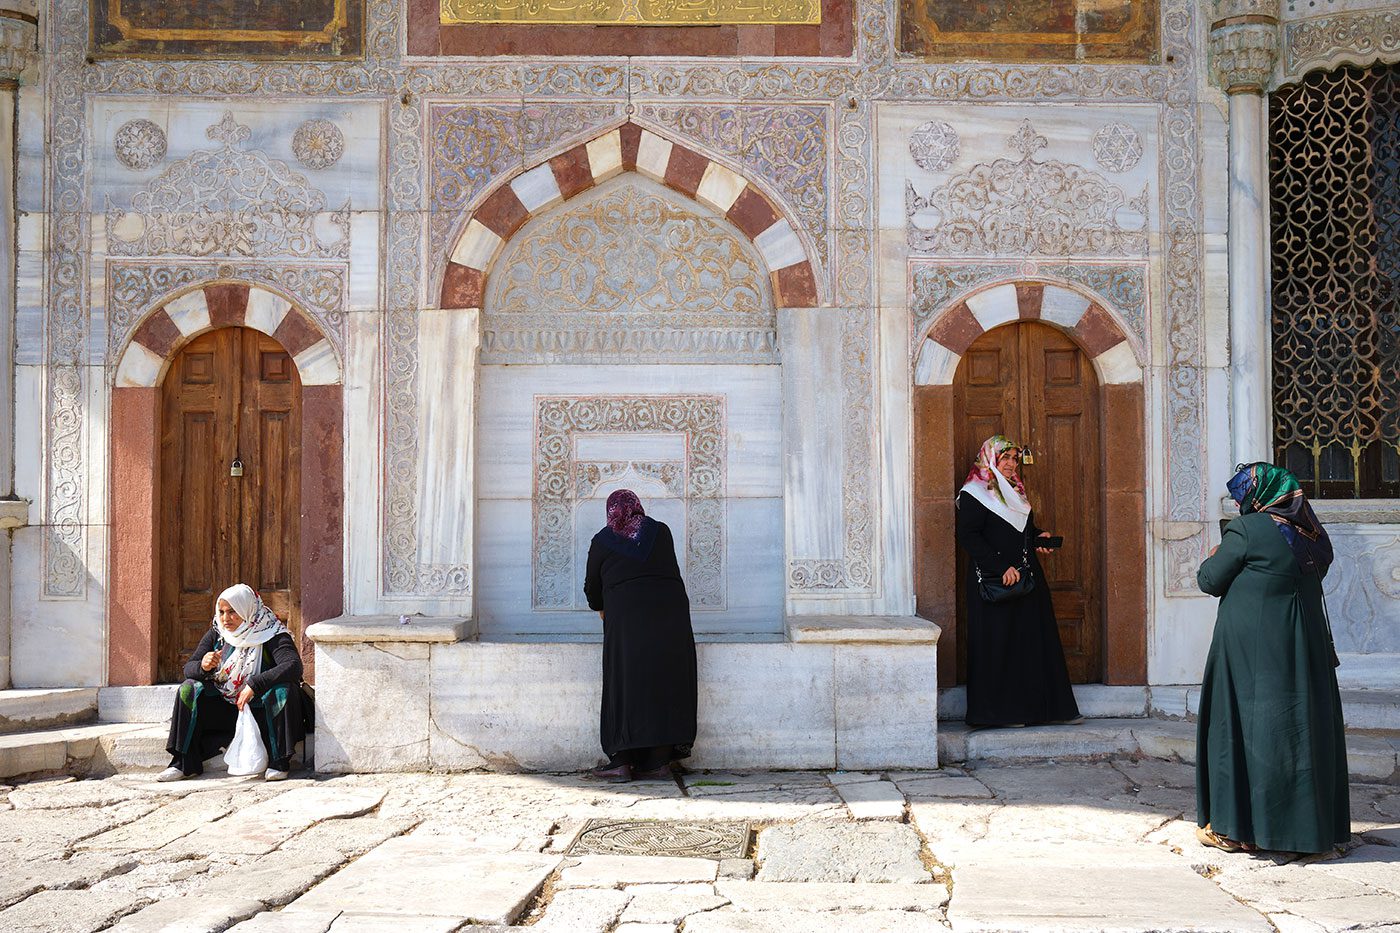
{"x":246,"y":754}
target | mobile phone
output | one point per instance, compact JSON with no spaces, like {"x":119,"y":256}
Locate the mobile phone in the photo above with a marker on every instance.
{"x":1053,"y":542}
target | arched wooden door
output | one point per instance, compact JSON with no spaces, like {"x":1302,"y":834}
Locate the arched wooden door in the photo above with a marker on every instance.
{"x":231,"y":394}
{"x":1032,"y":383}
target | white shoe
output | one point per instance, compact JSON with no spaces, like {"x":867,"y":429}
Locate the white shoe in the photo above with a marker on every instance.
{"x":274,"y":775}
{"x":170,"y":774}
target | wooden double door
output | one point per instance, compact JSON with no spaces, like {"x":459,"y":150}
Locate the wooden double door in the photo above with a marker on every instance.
{"x":231,"y":399}
{"x":1032,"y":383}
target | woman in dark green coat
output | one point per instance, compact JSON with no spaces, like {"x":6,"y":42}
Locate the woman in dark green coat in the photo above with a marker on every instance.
{"x":1271,"y":762}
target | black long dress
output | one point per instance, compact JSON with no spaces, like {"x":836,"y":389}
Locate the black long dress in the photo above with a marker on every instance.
{"x":204,"y":719}
{"x":648,"y":646}
{"x":1015,"y":663}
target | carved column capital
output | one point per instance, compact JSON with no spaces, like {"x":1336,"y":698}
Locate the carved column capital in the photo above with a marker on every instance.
{"x":1244,"y":44}
{"x":18,"y":45}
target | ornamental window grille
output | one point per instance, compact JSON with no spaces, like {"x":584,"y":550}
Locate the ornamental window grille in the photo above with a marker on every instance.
{"x":1334,"y":185}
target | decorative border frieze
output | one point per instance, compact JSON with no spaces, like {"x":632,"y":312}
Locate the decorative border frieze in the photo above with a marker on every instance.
{"x":561,"y":481}
{"x":1360,"y":37}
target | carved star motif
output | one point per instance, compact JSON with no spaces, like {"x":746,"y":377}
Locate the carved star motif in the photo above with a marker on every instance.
{"x":1027,"y":141}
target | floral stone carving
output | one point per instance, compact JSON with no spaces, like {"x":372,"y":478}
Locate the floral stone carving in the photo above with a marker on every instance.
{"x":1026,"y":207}
{"x":139,"y":144}
{"x":228,"y":202}
{"x":633,"y":269}
{"x":318,"y":144}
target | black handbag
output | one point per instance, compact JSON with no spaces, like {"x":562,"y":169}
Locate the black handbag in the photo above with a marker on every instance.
{"x":992,"y":590}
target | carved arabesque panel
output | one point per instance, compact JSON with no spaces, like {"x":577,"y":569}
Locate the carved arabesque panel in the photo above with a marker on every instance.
{"x":629,"y":269}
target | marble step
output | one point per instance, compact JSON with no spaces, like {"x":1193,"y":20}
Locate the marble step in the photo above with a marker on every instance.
{"x":151,"y":704}
{"x":84,"y":749}
{"x":27,"y":710}
{"x":1371,"y":709}
{"x":1373,"y":756}
{"x":143,"y":749}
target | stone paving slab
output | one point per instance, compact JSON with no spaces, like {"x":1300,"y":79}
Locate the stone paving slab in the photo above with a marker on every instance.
{"x":309,"y":921}
{"x":669,"y":903}
{"x":815,"y":896}
{"x":68,"y":911}
{"x":792,"y":921}
{"x":206,"y":913}
{"x":605,"y":871}
{"x":407,"y":877}
{"x":1125,"y":889}
{"x":873,"y":800}
{"x":260,"y":828}
{"x":841,"y":852}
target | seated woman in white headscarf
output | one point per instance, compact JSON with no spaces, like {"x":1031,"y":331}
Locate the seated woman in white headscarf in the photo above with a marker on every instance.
{"x":247,"y":658}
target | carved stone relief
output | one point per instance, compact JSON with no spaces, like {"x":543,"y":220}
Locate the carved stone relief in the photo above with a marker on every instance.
{"x":1026,"y":207}
{"x":1363,"y":588}
{"x":1358,"y":37}
{"x":139,"y":144}
{"x":631,"y":269}
{"x":318,"y":144}
{"x":607,"y":85}
{"x":228,"y":202}
{"x":561,"y":481}
{"x":1117,"y":147}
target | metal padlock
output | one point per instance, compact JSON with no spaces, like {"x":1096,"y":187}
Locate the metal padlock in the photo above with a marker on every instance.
{"x":1026,"y":456}
{"x":236,"y":468}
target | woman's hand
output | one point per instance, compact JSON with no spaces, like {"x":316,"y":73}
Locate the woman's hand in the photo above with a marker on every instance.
{"x":1043,"y":550}
{"x":1214,"y":549}
{"x":209,"y":661}
{"x":1011,"y":577}
{"x":244,"y":698}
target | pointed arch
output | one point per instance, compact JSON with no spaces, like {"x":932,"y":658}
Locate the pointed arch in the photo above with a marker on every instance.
{"x":184,"y":315}
{"x":1088,"y":320}
{"x":629,"y":148}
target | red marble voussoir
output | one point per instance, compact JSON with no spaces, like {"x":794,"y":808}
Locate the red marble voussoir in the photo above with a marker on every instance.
{"x":572,"y":172}
{"x":1029,"y":296}
{"x":158,"y":334}
{"x":228,"y":304}
{"x":795,"y":286}
{"x":1097,"y":331}
{"x":502,"y":213}
{"x":957,"y":329}
{"x":296,"y":333}
{"x":752,"y":213}
{"x":685,"y":170}
{"x":631,"y":135}
{"x":462,"y":286}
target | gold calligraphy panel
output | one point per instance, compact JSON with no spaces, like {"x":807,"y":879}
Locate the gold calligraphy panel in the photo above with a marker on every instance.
{"x":634,"y":12}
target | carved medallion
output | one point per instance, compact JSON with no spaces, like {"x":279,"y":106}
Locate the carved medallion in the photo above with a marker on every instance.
{"x":139,"y":144}
{"x":934,"y":146}
{"x":1117,"y":147}
{"x":318,"y":144}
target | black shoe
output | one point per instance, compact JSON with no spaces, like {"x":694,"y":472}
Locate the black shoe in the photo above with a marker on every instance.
{"x":662,"y":773}
{"x":621,"y":774}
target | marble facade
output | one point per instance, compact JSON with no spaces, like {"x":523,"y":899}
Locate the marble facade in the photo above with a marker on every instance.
{"x":712,"y":279}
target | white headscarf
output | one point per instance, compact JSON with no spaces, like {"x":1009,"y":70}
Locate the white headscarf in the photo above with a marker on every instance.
{"x":242,"y":652}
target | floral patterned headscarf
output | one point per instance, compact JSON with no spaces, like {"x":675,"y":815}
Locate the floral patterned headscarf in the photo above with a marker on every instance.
{"x":1263,"y":487}
{"x":241,"y":651}
{"x":625,"y":513}
{"x":986,"y":484}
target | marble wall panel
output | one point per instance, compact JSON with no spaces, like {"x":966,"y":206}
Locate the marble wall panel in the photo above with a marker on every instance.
{"x":363,"y":398}
{"x":372,"y":707}
{"x":55,"y":643}
{"x":1363,"y":588}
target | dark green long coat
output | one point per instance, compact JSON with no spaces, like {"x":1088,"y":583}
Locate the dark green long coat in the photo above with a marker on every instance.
{"x":1271,"y":763}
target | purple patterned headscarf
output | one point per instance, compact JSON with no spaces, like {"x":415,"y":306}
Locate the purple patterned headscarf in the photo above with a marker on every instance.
{"x":625,"y":513}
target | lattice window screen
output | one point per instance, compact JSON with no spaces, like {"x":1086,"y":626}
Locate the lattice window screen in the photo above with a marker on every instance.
{"x":1334,"y":178}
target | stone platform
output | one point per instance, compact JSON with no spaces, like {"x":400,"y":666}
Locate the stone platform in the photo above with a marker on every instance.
{"x":429,"y":695}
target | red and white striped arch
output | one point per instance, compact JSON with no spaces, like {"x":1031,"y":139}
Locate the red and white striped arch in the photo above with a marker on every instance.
{"x":1096,"y":330}
{"x":629,"y":148}
{"x":185,"y":316}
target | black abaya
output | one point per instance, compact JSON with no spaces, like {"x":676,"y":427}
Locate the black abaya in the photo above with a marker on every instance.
{"x":1015,"y":663}
{"x":648,"y":646}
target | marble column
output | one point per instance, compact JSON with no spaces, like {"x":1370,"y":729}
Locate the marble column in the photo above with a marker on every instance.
{"x":1244,"y":49}
{"x":18,"y":44}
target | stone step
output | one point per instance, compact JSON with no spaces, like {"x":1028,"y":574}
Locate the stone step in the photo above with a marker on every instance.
{"x":142,"y":748}
{"x":1371,"y":709}
{"x":27,"y":710}
{"x":75,"y":749}
{"x":1372,"y":756}
{"x":136,"y":704}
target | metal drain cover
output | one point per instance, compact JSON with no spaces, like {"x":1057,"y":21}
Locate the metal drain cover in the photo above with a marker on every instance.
{"x":663,"y":837}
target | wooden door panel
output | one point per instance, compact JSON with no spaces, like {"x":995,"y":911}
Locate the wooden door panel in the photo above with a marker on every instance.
{"x":1033,"y":384}
{"x":230,"y":394}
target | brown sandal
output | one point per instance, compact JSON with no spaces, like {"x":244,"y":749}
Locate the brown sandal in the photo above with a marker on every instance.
{"x":1208,"y":837}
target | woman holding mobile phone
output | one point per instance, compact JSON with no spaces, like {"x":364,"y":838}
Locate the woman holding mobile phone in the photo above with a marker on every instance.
{"x":1016,"y":672}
